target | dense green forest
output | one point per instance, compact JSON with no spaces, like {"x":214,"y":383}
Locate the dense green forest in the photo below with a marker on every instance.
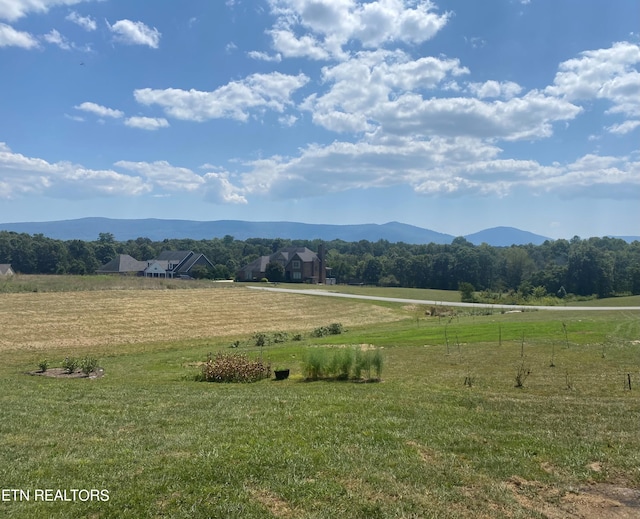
{"x":584,"y":267}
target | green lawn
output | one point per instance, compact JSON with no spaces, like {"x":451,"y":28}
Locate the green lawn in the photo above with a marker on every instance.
{"x":419,"y":444}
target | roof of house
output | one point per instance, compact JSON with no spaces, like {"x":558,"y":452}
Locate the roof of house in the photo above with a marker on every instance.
{"x":286,"y":254}
{"x":5,"y":268}
{"x":122,"y":263}
{"x":174,"y":255}
{"x":191,"y":261}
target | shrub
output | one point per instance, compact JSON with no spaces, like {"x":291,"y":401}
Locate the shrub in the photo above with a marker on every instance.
{"x":279,"y":337}
{"x":88,"y":365}
{"x":261,"y":339}
{"x":233,"y":368}
{"x":332,"y":329}
{"x":69,"y":364}
{"x":43,"y":365}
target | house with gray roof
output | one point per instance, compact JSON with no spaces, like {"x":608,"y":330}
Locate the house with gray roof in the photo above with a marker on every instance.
{"x":168,"y":264}
{"x":6,"y":270}
{"x":123,"y":264}
{"x":300,"y":264}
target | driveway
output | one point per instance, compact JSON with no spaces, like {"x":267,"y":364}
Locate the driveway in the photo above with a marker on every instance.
{"x":324,"y":293}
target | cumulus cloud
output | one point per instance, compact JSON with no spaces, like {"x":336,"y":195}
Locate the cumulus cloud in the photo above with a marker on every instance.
{"x":135,"y":33}
{"x":163,"y":174}
{"x":495,"y":89}
{"x":387,"y":91}
{"x":14,"y":9}
{"x":9,"y":37}
{"x":21,"y":175}
{"x":99,"y":110}
{"x":86,"y":22}
{"x":609,"y":74}
{"x":215,"y":187}
{"x":320,"y":29}
{"x":438,"y":166}
{"x":234,"y":100}
{"x":221,"y":191}
{"x":147,"y":123}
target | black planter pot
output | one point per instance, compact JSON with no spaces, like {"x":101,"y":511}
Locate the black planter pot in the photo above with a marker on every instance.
{"x":281,"y":374}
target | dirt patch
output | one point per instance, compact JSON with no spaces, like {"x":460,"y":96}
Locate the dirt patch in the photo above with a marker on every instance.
{"x":62,"y":373}
{"x":277,"y":506}
{"x":597,"y":501}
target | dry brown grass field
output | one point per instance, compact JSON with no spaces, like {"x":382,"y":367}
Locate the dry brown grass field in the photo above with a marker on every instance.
{"x":46,"y":320}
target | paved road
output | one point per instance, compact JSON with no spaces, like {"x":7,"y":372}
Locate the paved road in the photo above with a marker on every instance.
{"x":446,"y":303}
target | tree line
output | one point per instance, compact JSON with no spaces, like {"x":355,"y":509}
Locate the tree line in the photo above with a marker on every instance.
{"x":593,"y":266}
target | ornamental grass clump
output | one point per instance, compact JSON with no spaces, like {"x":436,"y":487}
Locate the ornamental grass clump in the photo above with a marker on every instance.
{"x":233,"y":368}
{"x":352,"y":363}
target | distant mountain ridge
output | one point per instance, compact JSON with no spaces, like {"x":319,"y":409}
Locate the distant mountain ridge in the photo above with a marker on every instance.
{"x":88,"y":229}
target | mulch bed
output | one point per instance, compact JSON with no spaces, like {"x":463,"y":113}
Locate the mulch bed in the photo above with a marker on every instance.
{"x":62,"y":373}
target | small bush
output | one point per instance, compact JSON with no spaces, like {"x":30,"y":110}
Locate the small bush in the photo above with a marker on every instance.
{"x":233,"y":368}
{"x":88,"y":365}
{"x":261,"y":339}
{"x":332,"y":329}
{"x":279,"y":337}
{"x":69,"y":364}
{"x":43,"y":365}
{"x":297,"y":337}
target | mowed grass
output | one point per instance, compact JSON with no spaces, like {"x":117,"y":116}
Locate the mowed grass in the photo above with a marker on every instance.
{"x":79,"y":319}
{"x":419,"y":444}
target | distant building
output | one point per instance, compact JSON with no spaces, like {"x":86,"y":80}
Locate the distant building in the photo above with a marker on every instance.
{"x":300,"y":264}
{"x":6,"y":270}
{"x":169,"y":264}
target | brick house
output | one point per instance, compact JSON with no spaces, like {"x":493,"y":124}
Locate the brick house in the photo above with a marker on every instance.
{"x":301,"y":265}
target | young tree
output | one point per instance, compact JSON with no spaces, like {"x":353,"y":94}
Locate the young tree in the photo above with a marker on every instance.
{"x":274,"y":272}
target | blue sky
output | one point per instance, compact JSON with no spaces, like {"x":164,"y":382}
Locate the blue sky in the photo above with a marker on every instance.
{"x":450,"y":115}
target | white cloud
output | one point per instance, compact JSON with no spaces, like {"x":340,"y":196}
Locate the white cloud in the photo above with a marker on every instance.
{"x":135,"y":33}
{"x":495,"y":89}
{"x":234,"y":100}
{"x":320,"y":29}
{"x":623,"y":128}
{"x":9,"y":37}
{"x":99,"y":110}
{"x":388,"y":92}
{"x":14,"y":9}
{"x":215,"y":186}
{"x":263,"y":56}
{"x":438,"y":166}
{"x":603,"y":74}
{"x":55,"y":38}
{"x":164,"y":175}
{"x":221,"y":191}
{"x":86,"y":22}
{"x":286,"y":42}
{"x":147,"y":123}
{"x":21,"y":175}
{"x":528,"y":117}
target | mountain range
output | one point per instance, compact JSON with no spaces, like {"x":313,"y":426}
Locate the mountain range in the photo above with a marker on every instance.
{"x":88,"y":229}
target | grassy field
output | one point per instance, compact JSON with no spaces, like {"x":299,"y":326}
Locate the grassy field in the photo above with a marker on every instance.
{"x":421,"y":443}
